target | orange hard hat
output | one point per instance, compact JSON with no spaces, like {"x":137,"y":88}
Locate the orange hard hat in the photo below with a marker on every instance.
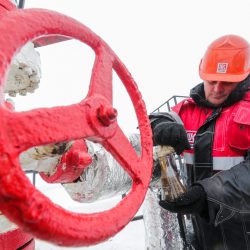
{"x":227,"y":59}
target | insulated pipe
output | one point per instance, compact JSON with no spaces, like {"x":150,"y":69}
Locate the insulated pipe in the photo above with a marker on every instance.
{"x":105,"y":178}
{"x":161,"y":227}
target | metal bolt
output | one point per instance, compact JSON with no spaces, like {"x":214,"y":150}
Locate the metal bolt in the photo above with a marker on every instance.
{"x":106,"y":114}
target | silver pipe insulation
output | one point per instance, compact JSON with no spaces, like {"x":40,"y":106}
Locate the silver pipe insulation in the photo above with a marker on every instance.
{"x":102,"y":179}
{"x":162,"y":229}
{"x":105,"y":178}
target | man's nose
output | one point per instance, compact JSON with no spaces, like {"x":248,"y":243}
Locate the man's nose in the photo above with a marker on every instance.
{"x":218,"y":87}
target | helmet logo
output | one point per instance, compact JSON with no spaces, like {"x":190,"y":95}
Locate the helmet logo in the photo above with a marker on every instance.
{"x":222,"y":67}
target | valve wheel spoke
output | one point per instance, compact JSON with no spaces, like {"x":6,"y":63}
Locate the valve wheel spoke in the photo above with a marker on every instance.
{"x":101,"y":78}
{"x":125,"y":154}
{"x":45,"y":125}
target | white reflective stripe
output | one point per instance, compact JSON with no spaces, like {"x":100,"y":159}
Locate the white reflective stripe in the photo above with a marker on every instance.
{"x":225,"y":163}
{"x":188,"y":158}
{"x":219,"y":163}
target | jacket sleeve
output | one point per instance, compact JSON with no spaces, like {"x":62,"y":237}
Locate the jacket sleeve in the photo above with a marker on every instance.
{"x":156,"y":118}
{"x":228,"y":192}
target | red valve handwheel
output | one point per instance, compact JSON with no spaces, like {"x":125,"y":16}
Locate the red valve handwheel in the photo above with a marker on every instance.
{"x":94,"y":118}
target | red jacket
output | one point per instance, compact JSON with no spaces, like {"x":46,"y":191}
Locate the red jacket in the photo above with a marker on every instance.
{"x":232,"y":131}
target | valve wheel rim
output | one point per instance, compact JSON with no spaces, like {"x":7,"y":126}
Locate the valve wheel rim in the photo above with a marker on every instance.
{"x":30,"y":209}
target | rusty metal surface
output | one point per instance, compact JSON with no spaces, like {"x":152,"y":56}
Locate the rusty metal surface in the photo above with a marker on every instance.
{"x":21,"y":202}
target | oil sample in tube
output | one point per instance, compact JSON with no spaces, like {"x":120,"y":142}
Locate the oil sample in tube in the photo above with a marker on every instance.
{"x":171,"y":184}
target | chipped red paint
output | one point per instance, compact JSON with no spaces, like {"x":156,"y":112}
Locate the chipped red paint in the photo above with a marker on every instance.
{"x":19,"y":200}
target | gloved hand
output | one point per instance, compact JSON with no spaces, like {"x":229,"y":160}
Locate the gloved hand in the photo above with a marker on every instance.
{"x":171,"y":134}
{"x":193,"y":201}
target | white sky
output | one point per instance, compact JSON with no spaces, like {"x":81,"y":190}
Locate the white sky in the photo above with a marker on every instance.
{"x":161,"y":42}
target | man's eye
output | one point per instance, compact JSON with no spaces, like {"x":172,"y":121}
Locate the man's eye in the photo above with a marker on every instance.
{"x":212,"y":82}
{"x":227,"y":83}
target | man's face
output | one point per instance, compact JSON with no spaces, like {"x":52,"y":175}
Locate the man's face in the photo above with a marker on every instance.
{"x":217,"y":92}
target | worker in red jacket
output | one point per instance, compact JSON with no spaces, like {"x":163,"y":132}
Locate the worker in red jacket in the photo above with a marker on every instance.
{"x":212,"y":130}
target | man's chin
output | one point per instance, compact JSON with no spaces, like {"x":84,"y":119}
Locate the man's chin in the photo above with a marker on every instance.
{"x":217,"y":101}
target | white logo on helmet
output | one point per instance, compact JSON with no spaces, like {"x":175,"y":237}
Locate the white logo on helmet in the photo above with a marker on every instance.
{"x":222,"y":67}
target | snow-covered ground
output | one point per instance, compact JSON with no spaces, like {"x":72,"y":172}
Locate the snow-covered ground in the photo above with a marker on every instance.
{"x":132,"y":237}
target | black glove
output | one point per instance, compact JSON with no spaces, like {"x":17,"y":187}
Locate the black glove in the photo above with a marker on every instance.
{"x":193,"y":201}
{"x":171,"y":134}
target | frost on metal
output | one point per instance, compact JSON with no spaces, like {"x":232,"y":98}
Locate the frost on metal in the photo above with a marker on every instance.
{"x":24,"y":73}
{"x":103,"y":178}
{"x":161,"y":227}
{"x":44,"y":158}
